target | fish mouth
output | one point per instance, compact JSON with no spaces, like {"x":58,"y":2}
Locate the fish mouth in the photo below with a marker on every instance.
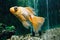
{"x":13,"y":9}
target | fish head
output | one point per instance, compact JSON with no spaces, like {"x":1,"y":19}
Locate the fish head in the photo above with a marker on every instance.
{"x":15,"y":10}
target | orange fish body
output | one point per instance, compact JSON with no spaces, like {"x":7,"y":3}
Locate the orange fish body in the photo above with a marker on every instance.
{"x":25,"y":14}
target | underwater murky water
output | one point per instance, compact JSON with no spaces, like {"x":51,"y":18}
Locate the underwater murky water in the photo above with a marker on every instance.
{"x":49,"y":9}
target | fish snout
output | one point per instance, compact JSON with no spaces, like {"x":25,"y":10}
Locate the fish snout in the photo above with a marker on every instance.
{"x":13,"y":9}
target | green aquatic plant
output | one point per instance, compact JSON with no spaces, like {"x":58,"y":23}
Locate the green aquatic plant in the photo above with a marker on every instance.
{"x":10,"y":28}
{"x":4,"y":27}
{"x":6,"y":31}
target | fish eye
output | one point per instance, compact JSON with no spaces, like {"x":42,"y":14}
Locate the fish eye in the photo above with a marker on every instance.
{"x":15,"y":8}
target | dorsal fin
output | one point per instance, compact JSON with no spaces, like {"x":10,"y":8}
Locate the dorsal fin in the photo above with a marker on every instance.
{"x":31,"y":10}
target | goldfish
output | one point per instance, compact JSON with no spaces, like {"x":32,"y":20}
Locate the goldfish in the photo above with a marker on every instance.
{"x":27,"y":17}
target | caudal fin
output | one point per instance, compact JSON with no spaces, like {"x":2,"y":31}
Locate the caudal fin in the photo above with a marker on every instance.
{"x":37,"y":22}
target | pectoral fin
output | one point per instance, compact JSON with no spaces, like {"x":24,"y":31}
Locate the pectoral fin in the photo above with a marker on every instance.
{"x":26,"y":24}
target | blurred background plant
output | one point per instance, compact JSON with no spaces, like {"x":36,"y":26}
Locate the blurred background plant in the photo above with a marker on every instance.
{"x":6,"y":31}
